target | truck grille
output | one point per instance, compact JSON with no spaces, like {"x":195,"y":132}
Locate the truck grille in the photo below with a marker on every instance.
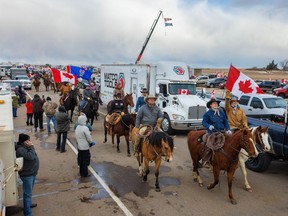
{"x":196,"y":112}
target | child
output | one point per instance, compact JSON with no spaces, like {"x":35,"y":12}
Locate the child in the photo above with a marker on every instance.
{"x":29,"y":112}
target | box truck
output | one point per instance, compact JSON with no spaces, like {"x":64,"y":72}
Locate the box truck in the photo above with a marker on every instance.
{"x":9,"y":165}
{"x":169,"y":81}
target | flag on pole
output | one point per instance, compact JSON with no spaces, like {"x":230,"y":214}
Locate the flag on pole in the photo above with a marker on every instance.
{"x":60,"y":76}
{"x":238,"y":83}
{"x":79,"y":72}
{"x":168,"y":22}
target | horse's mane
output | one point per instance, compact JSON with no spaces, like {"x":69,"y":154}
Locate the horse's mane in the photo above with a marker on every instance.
{"x":156,"y":137}
{"x":126,"y":120}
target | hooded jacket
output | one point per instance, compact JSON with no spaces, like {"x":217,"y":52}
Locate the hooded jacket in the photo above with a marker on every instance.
{"x":82,"y":134}
{"x":37,"y":104}
{"x":49,"y":108}
{"x":63,"y":120}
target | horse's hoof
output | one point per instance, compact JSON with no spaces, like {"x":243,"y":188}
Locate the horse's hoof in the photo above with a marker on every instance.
{"x":249,"y":189}
{"x":209,"y":187}
{"x":104,"y":141}
{"x":201,"y":184}
{"x":118,"y":151}
{"x":128,"y":155}
{"x":157,"y":190}
{"x":233,"y":201}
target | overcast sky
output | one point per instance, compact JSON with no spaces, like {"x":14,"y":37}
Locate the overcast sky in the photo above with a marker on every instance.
{"x":205,"y":33}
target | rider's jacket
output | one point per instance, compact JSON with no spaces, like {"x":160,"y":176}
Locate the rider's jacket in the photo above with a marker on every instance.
{"x":217,"y":119}
{"x":87,"y":93}
{"x":116,"y":105}
{"x":148,"y":115}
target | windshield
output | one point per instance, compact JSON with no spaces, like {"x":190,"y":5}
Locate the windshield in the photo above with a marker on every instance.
{"x":275,"y":103}
{"x":180,"y":88}
{"x":22,"y":78}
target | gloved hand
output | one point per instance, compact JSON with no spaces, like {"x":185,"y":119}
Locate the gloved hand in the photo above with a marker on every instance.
{"x":211,"y":127}
{"x":92,"y":144}
{"x":122,"y":113}
{"x":88,"y":98}
{"x":228,"y":132}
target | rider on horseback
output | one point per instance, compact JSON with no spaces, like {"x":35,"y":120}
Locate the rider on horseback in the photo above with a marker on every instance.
{"x":65,"y":89}
{"x":148,"y":116}
{"x":87,"y":95}
{"x":118,"y":89}
{"x":215,"y":121}
{"x":117,"y":106}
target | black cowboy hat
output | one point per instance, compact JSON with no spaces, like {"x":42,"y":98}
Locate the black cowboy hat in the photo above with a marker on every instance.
{"x":144,"y":90}
{"x":212,"y":101}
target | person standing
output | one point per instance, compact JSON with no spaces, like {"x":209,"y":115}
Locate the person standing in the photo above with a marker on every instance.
{"x":29,"y":112}
{"x":37,"y":104}
{"x":84,"y":142}
{"x":25,"y":149}
{"x":49,"y":108}
{"x":63,"y":126}
{"x":141,"y":99}
{"x":236,"y":116}
{"x":149,"y":115}
{"x":15,"y":104}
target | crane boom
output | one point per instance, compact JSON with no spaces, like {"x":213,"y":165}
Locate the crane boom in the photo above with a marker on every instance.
{"x":148,"y":37}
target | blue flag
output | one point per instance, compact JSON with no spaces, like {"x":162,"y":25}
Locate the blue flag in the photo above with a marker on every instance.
{"x":80,"y":72}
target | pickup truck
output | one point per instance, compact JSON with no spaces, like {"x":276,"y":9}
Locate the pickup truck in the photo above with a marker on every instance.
{"x":279,"y":140}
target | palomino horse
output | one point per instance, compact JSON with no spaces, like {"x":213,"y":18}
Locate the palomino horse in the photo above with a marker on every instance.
{"x":225,"y":158}
{"x":261,"y":138}
{"x":70,"y":102}
{"x":128,"y":100}
{"x":154,"y":146}
{"x":36,"y":82}
{"x":122,"y":128}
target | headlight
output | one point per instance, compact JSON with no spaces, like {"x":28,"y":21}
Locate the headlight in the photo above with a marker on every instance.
{"x":178,"y":117}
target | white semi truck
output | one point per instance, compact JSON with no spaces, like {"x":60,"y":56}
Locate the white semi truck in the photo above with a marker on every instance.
{"x":169,"y":81}
{"x":8,"y":163}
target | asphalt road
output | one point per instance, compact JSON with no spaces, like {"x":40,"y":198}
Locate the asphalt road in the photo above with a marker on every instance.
{"x":114,"y":188}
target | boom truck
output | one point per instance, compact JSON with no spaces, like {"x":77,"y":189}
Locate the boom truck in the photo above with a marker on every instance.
{"x":9,"y":165}
{"x":169,"y":81}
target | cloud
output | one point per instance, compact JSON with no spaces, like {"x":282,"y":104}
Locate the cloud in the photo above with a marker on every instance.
{"x":94,"y":32}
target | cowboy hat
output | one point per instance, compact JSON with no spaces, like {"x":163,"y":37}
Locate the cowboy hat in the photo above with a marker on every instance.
{"x":212,"y":101}
{"x":144,"y":90}
{"x":234,"y":98}
{"x":150,"y":97}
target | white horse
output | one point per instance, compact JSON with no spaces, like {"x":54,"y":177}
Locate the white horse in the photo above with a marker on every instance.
{"x":261,"y":137}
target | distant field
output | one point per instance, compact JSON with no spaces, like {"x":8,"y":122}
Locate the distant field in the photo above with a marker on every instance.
{"x":261,"y":75}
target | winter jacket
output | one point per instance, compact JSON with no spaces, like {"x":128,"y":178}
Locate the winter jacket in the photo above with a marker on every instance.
{"x":29,"y":109}
{"x":82,"y":134}
{"x":148,"y":115}
{"x":49,"y":108}
{"x":31,"y":160}
{"x":63,"y":120}
{"x":140,"y":102}
{"x":217,"y":119}
{"x":37,"y":104}
{"x":15,"y":103}
{"x":116,"y":105}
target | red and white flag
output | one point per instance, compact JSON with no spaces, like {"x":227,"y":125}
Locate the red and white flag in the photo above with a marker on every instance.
{"x":238,"y":83}
{"x":60,"y":76}
{"x":183,"y":91}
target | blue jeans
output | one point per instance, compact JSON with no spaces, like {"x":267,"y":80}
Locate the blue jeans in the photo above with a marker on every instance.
{"x":28,"y":184}
{"x":14,"y":111}
{"x":82,"y":104}
{"x":53,"y":119}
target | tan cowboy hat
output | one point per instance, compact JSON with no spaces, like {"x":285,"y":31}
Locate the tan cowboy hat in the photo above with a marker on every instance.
{"x":212,"y":101}
{"x":150,"y":97}
{"x":144,"y":90}
{"x":234,"y":98}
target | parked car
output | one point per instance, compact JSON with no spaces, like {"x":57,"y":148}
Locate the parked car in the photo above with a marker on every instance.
{"x":200,"y":80}
{"x":26,"y":82}
{"x":212,"y":76}
{"x":12,"y":84}
{"x":281,"y":92}
{"x":214,"y":82}
{"x":222,"y":85}
{"x":269,"y":85}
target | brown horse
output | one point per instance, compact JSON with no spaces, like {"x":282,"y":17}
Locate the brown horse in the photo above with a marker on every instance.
{"x":36,"y":82}
{"x":225,"y":158}
{"x":156,"y":145}
{"x":122,"y":128}
{"x":128,"y":100}
{"x":46,"y":82}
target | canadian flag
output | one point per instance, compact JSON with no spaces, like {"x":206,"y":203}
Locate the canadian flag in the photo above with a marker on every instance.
{"x":238,"y":83}
{"x":60,"y":76}
{"x":183,"y":91}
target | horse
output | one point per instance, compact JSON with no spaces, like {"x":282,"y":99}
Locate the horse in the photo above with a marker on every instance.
{"x":225,"y":158}
{"x":128,"y":100}
{"x":36,"y":82}
{"x":47,"y":83}
{"x":261,"y":138}
{"x":90,"y":109}
{"x":154,"y":146}
{"x":122,"y":128}
{"x":70,"y":102}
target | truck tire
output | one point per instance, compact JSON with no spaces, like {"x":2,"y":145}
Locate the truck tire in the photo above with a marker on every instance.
{"x":166,"y":125}
{"x":281,"y":95}
{"x":211,"y":85}
{"x":259,"y":164}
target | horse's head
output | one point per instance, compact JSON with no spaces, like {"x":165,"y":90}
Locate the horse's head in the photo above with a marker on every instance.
{"x":261,"y":137}
{"x":167,"y":147}
{"x":247,"y":142}
{"x":128,"y":99}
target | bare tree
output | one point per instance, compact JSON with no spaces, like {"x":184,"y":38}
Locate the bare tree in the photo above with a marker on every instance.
{"x":284,"y":64}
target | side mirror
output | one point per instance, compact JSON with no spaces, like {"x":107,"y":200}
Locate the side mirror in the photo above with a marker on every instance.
{"x":157,"y":91}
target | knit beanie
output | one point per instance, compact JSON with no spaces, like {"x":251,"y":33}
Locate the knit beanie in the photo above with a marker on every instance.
{"x":22,"y":138}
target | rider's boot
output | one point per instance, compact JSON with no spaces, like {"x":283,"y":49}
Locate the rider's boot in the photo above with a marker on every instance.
{"x":206,"y":157}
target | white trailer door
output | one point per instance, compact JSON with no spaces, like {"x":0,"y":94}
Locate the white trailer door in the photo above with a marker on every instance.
{"x":135,"y":91}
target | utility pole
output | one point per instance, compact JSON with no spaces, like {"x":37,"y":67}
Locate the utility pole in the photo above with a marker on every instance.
{"x":148,"y":37}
